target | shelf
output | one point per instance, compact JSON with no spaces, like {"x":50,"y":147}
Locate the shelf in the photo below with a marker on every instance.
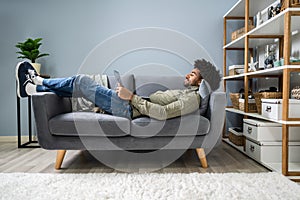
{"x":253,"y":42}
{"x":274,"y":26}
{"x":258,"y":116}
{"x":277,"y":166}
{"x":293,"y":167}
{"x":254,"y":6}
{"x":240,"y":148}
{"x":235,"y":77}
{"x":275,"y":71}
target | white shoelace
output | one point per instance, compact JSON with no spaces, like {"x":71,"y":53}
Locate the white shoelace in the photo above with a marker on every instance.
{"x":31,"y":73}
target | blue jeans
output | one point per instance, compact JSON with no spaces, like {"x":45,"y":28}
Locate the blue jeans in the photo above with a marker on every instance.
{"x":83,"y":86}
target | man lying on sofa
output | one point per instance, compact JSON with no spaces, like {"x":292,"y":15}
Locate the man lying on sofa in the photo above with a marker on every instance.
{"x":120,"y":102}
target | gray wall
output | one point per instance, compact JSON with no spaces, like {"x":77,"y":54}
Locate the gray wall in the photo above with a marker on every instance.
{"x":72,"y":28}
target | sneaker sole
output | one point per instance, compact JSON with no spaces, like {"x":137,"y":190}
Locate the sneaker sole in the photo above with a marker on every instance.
{"x":17,"y":78}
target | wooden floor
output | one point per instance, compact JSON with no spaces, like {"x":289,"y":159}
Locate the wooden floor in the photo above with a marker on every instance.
{"x":222,"y":159}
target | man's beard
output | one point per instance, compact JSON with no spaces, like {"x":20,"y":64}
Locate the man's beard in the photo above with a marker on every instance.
{"x":186,"y":83}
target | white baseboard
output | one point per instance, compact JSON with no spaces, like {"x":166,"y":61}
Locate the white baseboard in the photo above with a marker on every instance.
{"x":15,"y":138}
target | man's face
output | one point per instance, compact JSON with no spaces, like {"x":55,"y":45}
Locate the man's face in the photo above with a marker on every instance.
{"x":193,"y":78}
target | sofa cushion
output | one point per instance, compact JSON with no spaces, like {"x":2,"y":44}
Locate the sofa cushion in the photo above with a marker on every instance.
{"x":188,"y":125}
{"x":204,"y":92}
{"x":89,"y":124}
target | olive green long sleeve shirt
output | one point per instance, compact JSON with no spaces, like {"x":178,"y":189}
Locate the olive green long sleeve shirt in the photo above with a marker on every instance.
{"x":167,"y":104}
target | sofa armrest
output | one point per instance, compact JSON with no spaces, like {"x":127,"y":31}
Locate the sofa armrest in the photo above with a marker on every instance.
{"x":45,"y":106}
{"x":50,"y":105}
{"x":216,"y":112}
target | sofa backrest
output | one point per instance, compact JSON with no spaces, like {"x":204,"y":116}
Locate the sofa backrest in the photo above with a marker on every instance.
{"x":127,"y":80}
{"x":146,"y":85}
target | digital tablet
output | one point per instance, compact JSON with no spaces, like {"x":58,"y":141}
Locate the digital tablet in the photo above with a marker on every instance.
{"x":118,"y":77}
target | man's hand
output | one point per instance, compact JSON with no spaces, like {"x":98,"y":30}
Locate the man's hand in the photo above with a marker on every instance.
{"x":124,"y":93}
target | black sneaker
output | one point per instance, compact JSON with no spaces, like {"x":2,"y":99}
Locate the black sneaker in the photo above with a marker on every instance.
{"x":24,"y":72}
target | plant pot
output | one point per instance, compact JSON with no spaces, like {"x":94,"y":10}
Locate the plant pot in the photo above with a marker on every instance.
{"x":37,"y":67}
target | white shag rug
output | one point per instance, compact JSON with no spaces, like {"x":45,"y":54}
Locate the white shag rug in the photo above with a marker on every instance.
{"x":150,"y":186}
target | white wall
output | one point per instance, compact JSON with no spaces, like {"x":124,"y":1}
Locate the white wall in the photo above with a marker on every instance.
{"x":72,"y":28}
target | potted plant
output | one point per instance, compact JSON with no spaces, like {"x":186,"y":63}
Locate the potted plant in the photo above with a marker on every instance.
{"x":30,"y":50}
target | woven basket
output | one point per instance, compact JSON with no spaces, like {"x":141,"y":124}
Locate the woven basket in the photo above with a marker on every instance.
{"x":235,"y":100}
{"x":251,"y":106}
{"x":238,"y":140}
{"x":265,"y":95}
{"x":295,"y":93}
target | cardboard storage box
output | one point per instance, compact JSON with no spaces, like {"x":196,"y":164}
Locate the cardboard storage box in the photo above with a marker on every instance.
{"x":271,"y":152}
{"x":261,"y":130}
{"x":236,"y":70}
{"x":238,"y":33}
{"x":272,"y":108}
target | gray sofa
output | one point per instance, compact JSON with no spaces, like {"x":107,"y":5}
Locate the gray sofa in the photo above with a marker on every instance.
{"x":61,"y":128}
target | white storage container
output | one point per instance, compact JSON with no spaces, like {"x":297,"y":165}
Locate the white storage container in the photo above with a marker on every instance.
{"x":272,"y":108}
{"x":261,"y":130}
{"x":271,"y":152}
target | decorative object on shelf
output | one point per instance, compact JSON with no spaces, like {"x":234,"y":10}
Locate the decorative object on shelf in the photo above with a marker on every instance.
{"x":295,"y":93}
{"x":270,"y":52}
{"x":252,"y":65}
{"x":242,"y":94}
{"x":273,"y":11}
{"x":277,"y":63}
{"x":30,"y":50}
{"x":258,"y":19}
{"x":292,"y":60}
{"x":278,"y":8}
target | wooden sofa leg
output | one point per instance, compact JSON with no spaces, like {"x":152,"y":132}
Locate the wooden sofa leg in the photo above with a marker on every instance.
{"x":202,"y":157}
{"x":59,"y":158}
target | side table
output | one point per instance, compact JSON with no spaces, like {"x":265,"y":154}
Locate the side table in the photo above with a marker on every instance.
{"x":30,"y":140}
{"x":30,"y":143}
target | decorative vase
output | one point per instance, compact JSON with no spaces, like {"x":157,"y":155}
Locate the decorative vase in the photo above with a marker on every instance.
{"x":37,"y":67}
{"x":295,"y":93}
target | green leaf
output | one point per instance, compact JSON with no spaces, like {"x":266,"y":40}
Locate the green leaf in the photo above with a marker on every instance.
{"x":44,"y":54}
{"x":29,"y":49}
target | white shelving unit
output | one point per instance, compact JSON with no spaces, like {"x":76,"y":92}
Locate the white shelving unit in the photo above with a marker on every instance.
{"x":294,"y":167}
{"x":274,"y":26}
{"x":258,"y":116}
{"x":279,"y":27}
{"x":276,"y":71}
